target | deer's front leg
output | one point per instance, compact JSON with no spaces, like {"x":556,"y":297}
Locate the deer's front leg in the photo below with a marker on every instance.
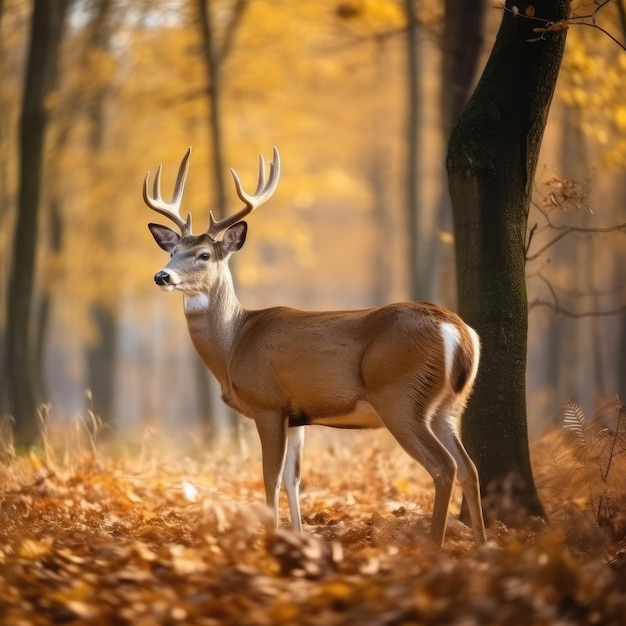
{"x":291,"y":474}
{"x":272,"y":431}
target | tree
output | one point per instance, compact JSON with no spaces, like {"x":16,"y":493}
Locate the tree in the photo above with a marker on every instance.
{"x":461,"y":51}
{"x":101,"y":357}
{"x":413,"y":155}
{"x":492,"y":158}
{"x":23,"y":372}
{"x":215,"y":54}
{"x":461,"y":42}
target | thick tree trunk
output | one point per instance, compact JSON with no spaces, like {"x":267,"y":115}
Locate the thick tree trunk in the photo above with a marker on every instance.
{"x":23,"y":371}
{"x":492,"y":157}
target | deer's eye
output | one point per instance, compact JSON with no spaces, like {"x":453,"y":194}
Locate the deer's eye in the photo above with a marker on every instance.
{"x":205,"y":256}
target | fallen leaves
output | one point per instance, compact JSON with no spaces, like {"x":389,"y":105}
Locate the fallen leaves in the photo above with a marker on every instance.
{"x":187,"y":542}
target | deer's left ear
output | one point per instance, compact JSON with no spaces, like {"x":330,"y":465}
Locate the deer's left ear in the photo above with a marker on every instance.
{"x":234,"y":237}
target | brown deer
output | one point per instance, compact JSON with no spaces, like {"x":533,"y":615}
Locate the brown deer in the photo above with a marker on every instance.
{"x":408,"y":367}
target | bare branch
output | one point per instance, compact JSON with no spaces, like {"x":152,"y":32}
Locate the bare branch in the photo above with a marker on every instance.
{"x":573,"y":292}
{"x":531,"y":234}
{"x":564,"y":231}
{"x":568,"y":230}
{"x":555,"y":306}
{"x":548,"y":26}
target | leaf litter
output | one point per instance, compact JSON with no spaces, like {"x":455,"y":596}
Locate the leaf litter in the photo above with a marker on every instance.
{"x":103,"y":539}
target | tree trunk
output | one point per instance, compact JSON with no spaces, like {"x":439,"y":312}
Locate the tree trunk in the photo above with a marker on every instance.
{"x":492,"y":157}
{"x":101,"y":357}
{"x":22,"y":369}
{"x":462,"y":43}
{"x":214,"y":55}
{"x":213,"y":63}
{"x":414,"y":112}
{"x":377,"y":172}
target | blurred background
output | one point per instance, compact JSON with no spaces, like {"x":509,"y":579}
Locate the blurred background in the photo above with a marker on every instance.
{"x":355,"y":107}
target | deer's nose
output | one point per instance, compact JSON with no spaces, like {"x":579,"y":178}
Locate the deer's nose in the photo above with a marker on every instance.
{"x":162,"y":278}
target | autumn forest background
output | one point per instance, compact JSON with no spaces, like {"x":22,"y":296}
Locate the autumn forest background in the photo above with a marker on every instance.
{"x":328,"y":84}
{"x":357,"y":96}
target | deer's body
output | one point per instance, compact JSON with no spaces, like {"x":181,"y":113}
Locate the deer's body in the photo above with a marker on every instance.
{"x":260,"y":360}
{"x":408,"y":367}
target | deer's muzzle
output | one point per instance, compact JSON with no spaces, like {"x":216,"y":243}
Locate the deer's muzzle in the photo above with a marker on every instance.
{"x":164,"y":280}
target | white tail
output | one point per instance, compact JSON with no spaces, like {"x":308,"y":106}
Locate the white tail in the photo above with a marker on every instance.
{"x":408,"y":367}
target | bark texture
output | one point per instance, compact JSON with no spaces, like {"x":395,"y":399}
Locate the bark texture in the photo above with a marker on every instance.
{"x":492,"y":157}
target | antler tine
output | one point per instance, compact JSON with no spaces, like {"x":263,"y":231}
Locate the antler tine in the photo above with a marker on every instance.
{"x":261,"y":183}
{"x":264,"y":191}
{"x":171,"y":209}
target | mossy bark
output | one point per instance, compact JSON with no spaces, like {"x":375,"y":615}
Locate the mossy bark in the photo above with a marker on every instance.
{"x":492,"y":157}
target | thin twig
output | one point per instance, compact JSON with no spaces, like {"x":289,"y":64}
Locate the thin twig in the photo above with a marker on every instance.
{"x":575,"y":293}
{"x":604,"y":32}
{"x":568,"y":230}
{"x":555,"y":306}
{"x":573,"y":20}
{"x":531,"y":234}
{"x":615,"y":436}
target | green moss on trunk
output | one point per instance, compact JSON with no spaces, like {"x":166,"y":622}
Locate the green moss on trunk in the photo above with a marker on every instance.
{"x":492,"y":158}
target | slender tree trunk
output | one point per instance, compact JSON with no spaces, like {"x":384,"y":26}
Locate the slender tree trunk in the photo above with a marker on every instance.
{"x":378,"y":174}
{"x":214,"y":85}
{"x":213,"y":63}
{"x":101,"y":357}
{"x":4,"y":131}
{"x":22,"y":369}
{"x":54,"y":241}
{"x":462,"y":43}
{"x":414,"y":113}
{"x":214,"y":55}
{"x":4,"y":205}
{"x":492,"y":158}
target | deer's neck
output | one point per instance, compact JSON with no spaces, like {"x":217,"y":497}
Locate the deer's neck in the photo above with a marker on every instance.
{"x":213,"y":320}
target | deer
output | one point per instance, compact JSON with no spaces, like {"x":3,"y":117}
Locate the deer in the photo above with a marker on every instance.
{"x":409,"y":367}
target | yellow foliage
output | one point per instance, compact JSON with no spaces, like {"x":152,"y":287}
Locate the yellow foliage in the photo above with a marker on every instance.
{"x":620,"y":116}
{"x":295,"y":74}
{"x":592,"y":73}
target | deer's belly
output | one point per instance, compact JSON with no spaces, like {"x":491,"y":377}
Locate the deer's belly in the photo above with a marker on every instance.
{"x":362,"y":415}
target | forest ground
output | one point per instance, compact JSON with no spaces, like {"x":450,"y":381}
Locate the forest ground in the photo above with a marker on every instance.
{"x":155,"y":533}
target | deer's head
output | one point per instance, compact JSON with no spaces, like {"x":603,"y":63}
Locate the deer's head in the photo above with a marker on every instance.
{"x":197,"y":261}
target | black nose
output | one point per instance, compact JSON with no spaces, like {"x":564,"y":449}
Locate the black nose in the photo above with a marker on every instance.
{"x":162,"y":278}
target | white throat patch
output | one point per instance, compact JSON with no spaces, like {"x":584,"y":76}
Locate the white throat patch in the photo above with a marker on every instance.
{"x":196,"y":303}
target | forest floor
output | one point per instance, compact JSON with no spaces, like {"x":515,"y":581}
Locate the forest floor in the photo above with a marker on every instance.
{"x":116,"y":534}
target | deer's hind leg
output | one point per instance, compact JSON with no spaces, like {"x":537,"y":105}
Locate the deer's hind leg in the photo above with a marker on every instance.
{"x":445,"y":426}
{"x":408,"y":421}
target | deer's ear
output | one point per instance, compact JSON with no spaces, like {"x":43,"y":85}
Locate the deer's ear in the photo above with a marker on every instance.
{"x":164,"y":236}
{"x":234,"y":237}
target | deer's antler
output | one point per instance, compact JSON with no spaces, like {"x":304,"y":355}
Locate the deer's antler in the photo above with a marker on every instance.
{"x":171,"y":209}
{"x":264,"y":191}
